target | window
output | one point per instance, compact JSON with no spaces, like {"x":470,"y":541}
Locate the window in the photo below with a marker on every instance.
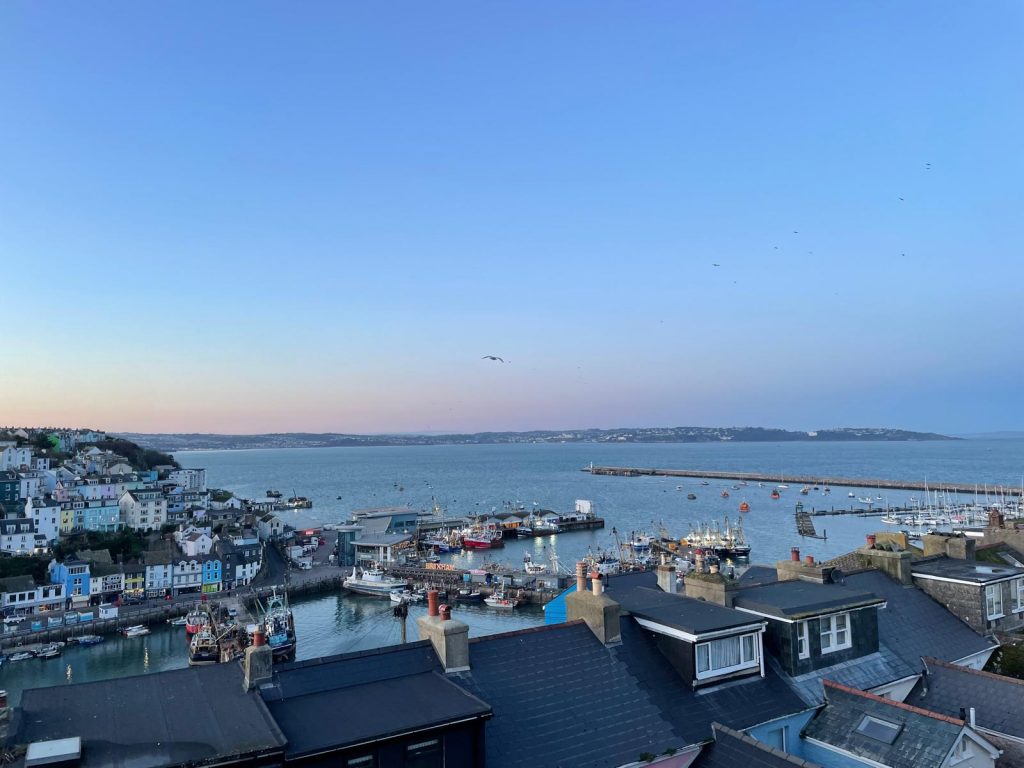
{"x":363,"y":761}
{"x":803,"y":641}
{"x":879,"y":730}
{"x":1017,"y":592}
{"x":728,"y":654}
{"x":424,"y":754}
{"x":994,"y":601}
{"x":835,"y":632}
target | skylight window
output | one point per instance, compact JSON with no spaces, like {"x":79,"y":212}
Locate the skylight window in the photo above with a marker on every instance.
{"x":879,"y":730}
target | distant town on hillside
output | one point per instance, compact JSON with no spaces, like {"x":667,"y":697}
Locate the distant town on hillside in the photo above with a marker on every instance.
{"x":200,"y":441}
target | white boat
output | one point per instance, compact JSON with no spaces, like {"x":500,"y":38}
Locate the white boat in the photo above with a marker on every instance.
{"x":21,"y":656}
{"x":782,"y":487}
{"x":892,"y":520}
{"x":866,"y":500}
{"x":531,"y":567}
{"x":852,"y":495}
{"x":405,"y":596}
{"x":136,"y":630}
{"x":181,"y":621}
{"x":373,"y":582}
{"x":501,"y":601}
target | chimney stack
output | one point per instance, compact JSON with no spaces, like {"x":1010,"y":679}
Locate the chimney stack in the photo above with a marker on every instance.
{"x":666,"y":577}
{"x":259,"y":662}
{"x":794,"y":554}
{"x":871,"y":540}
{"x":581,"y":577}
{"x":596,"y":584}
{"x":450,"y":637}
{"x":599,"y":611}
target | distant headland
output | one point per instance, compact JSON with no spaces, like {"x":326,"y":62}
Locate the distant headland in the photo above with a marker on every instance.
{"x":203,"y":441}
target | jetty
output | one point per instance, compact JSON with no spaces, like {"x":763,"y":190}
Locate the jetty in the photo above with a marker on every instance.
{"x":850,"y":482}
{"x":805,"y":525}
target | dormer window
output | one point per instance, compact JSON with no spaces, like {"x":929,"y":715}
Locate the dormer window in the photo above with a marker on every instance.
{"x":727,"y":654}
{"x":835,"y":632}
{"x":994,"y":601}
{"x":803,"y":640}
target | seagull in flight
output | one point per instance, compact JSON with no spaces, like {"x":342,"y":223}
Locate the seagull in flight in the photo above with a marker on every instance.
{"x":495,"y":358}
{"x":716,"y":265}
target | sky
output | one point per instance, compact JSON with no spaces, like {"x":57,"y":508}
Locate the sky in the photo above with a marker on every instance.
{"x":267,"y":216}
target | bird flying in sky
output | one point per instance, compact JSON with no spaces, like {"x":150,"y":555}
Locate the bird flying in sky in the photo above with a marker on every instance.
{"x":495,"y":358}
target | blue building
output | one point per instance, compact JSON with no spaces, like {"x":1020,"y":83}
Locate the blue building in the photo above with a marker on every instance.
{"x":74,"y":575}
{"x":212,"y":574}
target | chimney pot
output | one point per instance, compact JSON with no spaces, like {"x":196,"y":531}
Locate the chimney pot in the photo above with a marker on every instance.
{"x":581,"y":577}
{"x":259,"y":638}
{"x":871,"y":541}
{"x":596,"y":584}
{"x":446,"y":612}
{"x":972,"y":717}
{"x":432,"y":603}
{"x":794,"y":554}
{"x":809,"y":560}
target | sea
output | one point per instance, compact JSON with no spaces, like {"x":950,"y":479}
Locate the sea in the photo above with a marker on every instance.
{"x":464,"y":480}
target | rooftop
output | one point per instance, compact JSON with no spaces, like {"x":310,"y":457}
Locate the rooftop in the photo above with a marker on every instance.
{"x":693,"y":617}
{"x":998,"y":701}
{"x":184,"y":716}
{"x":799,"y":599}
{"x":735,"y":748}
{"x":883,"y":731}
{"x":907,"y":610}
{"x":965,"y":571}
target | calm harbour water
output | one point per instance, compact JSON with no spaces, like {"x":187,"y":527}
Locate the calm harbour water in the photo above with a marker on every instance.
{"x":466,"y":480}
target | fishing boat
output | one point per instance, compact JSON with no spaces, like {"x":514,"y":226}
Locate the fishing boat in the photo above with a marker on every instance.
{"x":775,"y":493}
{"x":531,"y":567}
{"x":501,"y":601}
{"x":195,"y":620}
{"x":525,"y":532}
{"x":279,"y":626}
{"x":299,"y":502}
{"x":805,"y":490}
{"x":691,"y":496}
{"x":727,"y":541}
{"x":704,"y":482}
{"x":203,"y":648}
{"x":136,"y":630}
{"x":273,"y":494}
{"x":782,"y":487}
{"x":476,"y":538}
{"x":373,"y":581}
{"x":21,"y":656}
{"x":469,"y":595}
{"x":180,"y":621}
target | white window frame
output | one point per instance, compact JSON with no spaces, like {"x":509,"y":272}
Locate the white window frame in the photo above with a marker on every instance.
{"x":753,"y":662}
{"x":828,"y":627}
{"x":994,"y":601}
{"x":1017,"y":589}
{"x":803,"y":640}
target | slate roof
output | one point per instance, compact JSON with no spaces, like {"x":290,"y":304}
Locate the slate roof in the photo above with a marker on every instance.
{"x":907,"y":610}
{"x":862,"y":673}
{"x":735,"y":748}
{"x":924,"y":738}
{"x":17,"y":584}
{"x":375,"y":694}
{"x":739,"y":703}
{"x":692,"y":616}
{"x":998,"y":701}
{"x":183,"y":716}
{"x":798,"y":599}
{"x":968,"y":571}
{"x":758,"y":574}
{"x":561,"y":682}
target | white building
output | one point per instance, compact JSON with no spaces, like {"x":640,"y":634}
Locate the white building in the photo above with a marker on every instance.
{"x":30,"y":482}
{"x":189,"y":479}
{"x":20,"y":596}
{"x":196,"y":543}
{"x":143,"y":510}
{"x":12,"y":457}
{"x":269,"y":526}
{"x":187,"y":575}
{"x":18,"y":537}
{"x":45,"y":515}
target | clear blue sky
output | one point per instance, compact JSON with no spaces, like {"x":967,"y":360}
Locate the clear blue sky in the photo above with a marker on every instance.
{"x":318,"y":216}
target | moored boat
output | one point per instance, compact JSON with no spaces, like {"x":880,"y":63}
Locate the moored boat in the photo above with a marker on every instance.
{"x":203,"y":648}
{"x":775,"y":494}
{"x":279,"y":626}
{"x":21,"y":656}
{"x":501,"y":601}
{"x":744,"y":507}
{"x":89,"y":639}
{"x":195,"y":620}
{"x":373,"y":581}
{"x":136,"y":630}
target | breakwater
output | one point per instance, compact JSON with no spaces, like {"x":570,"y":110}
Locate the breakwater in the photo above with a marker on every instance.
{"x":848,"y":482}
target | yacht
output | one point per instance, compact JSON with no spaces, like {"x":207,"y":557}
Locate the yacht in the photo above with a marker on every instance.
{"x":374,"y":582}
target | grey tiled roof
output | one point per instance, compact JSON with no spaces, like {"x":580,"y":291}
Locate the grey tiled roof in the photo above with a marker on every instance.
{"x":923,"y":740}
{"x":560,"y":681}
{"x":735,"y":748}
{"x":684,"y":613}
{"x":907,"y":610}
{"x":862,"y":673}
{"x":998,"y":701}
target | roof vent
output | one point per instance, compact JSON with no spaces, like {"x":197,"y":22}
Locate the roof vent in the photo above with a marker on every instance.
{"x":55,"y":752}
